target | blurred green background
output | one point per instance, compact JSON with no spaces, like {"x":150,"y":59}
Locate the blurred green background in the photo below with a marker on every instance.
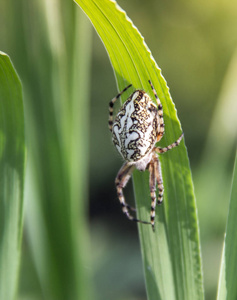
{"x":74,"y":230}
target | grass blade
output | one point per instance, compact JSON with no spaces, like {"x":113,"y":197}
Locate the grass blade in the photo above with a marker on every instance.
{"x":171,"y":257}
{"x":227,"y":283}
{"x":12,"y":156}
{"x":226,"y":110}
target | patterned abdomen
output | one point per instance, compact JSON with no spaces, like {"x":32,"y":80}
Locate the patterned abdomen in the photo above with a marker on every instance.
{"x":135,"y":126}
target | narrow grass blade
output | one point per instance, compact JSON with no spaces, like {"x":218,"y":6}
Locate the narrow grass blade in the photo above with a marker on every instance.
{"x":227,"y":282}
{"x":171,"y":256}
{"x":79,"y":150}
{"x":12,"y":160}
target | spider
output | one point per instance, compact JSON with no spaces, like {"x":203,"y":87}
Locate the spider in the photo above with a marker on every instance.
{"x":137,"y":127}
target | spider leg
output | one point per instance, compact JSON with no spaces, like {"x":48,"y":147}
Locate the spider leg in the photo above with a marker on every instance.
{"x":111,"y":106}
{"x":171,"y":146}
{"x":121,"y":180}
{"x":152,"y":185}
{"x":160,"y":119}
{"x":159,"y":180}
{"x":130,"y":207}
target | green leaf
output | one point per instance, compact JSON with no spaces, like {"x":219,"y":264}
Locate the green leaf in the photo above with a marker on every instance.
{"x":12,"y":156}
{"x":226,"y":109}
{"x":227,"y":282}
{"x":171,"y":256}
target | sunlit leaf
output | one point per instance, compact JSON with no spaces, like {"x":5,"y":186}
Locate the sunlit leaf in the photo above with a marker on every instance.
{"x":171,"y":256}
{"x":227,"y":283}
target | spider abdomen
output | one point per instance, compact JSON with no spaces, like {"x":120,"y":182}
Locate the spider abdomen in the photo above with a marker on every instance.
{"x":135,"y":127}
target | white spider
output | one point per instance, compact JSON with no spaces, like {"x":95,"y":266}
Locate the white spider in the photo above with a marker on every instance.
{"x":138,"y":126}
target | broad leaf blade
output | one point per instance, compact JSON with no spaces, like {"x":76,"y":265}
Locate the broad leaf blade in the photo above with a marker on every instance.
{"x":171,"y":256}
{"x":12,"y":155}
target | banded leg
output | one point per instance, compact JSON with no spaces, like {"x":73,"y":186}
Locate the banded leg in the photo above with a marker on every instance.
{"x":152,"y":185}
{"x":159,"y":180}
{"x":160,"y":114}
{"x":111,"y":106}
{"x":165,"y":149}
{"x":121,"y":180}
{"x":130,"y":207}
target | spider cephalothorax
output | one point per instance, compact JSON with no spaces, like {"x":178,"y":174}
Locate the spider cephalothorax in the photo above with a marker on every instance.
{"x":138,"y":126}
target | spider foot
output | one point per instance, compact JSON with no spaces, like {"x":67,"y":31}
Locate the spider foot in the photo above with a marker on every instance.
{"x":153,"y":227}
{"x":130,"y":207}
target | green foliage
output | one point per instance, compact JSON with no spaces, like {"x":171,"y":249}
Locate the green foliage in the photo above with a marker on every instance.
{"x":50,"y":44}
{"x":57,"y":172}
{"x":12,"y":163}
{"x":227,"y":281}
{"x":213,"y":179}
{"x":171,"y":256}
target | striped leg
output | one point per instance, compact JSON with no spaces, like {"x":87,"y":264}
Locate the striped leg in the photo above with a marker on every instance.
{"x":111,"y":106}
{"x":152,"y":185}
{"x":130,"y":207}
{"x":159,"y":180}
{"x":161,"y":128}
{"x":165,"y":149}
{"x":121,"y":180}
